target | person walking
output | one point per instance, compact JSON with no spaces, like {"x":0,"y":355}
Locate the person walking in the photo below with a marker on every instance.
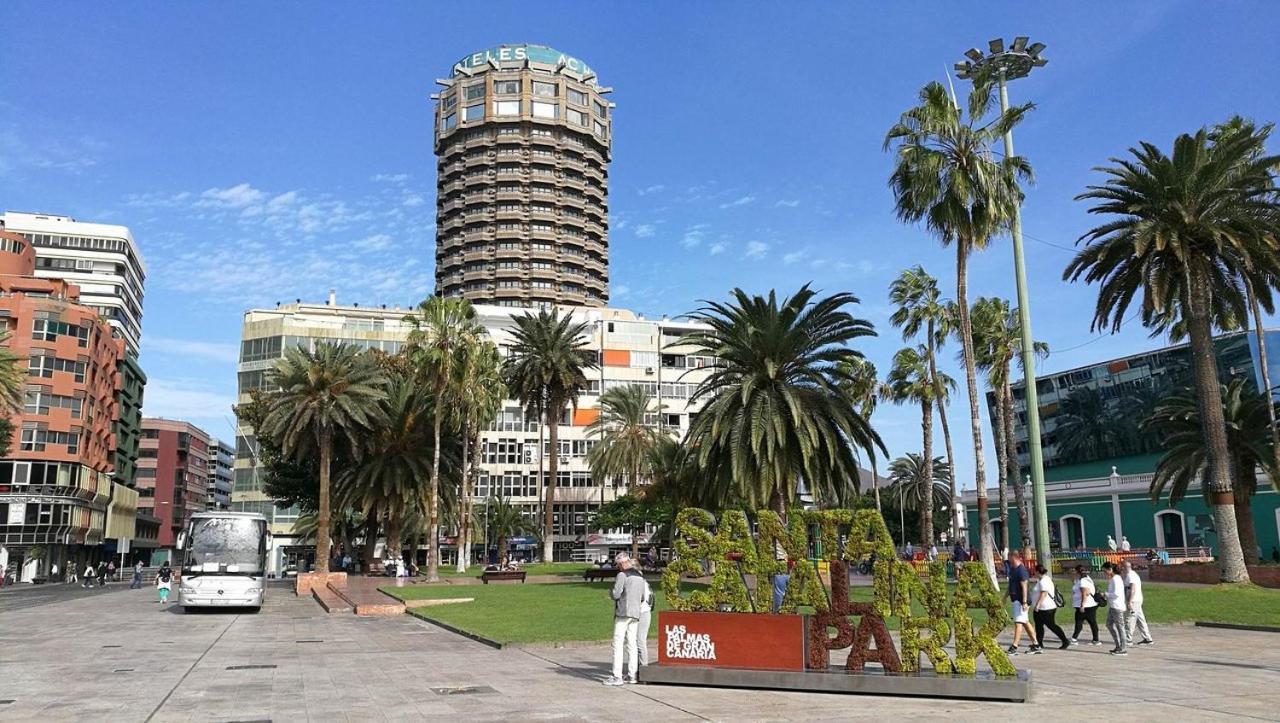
{"x":102,"y":574}
{"x":1085,"y":604}
{"x":136,"y":583}
{"x":111,"y":570}
{"x":1135,"y":619}
{"x":1115,"y":609}
{"x":646,"y":615}
{"x":1020,"y":598}
{"x":164,"y":583}
{"x":53,"y":572}
{"x":629,"y":594}
{"x":88,"y":576}
{"x":1045,"y":602}
{"x":71,"y":572}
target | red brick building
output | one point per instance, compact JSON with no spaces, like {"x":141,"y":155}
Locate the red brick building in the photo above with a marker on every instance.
{"x":173,"y":473}
{"x":56,"y":488}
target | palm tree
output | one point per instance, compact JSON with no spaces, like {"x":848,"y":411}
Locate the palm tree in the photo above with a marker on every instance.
{"x":13,"y":378}
{"x":1184,"y":228}
{"x":775,"y":413}
{"x":947,"y":177}
{"x":1185,"y":461}
{"x":1087,"y":428}
{"x":441,"y":327}
{"x":921,"y":306}
{"x":504,"y":522}
{"x":997,"y":340}
{"x":546,"y":371}
{"x":334,"y":392}
{"x":862,"y":390}
{"x":916,"y":479}
{"x":626,"y":443}
{"x":478,"y":395}
{"x":911,"y":380}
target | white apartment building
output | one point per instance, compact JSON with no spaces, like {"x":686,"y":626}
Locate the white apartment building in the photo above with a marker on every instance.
{"x":632,"y":350}
{"x":102,"y":259}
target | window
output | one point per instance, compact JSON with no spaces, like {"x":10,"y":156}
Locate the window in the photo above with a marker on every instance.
{"x":51,"y":329}
{"x":473,"y":112}
{"x":506,"y":87}
{"x":577,"y":97}
{"x":506,"y":107}
{"x":544,"y":90}
{"x":449,"y":122}
{"x":576,"y":117}
{"x":450,"y":101}
{"x":474,"y":91}
{"x":599,"y":128}
{"x":545,"y":110}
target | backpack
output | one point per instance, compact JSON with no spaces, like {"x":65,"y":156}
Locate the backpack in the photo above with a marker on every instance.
{"x":1100,"y":599}
{"x":165,"y":575}
{"x":1057,"y":598}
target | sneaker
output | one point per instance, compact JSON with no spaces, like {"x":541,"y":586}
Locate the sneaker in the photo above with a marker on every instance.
{"x":1035,"y":650}
{"x":1119,"y":652}
{"x":631,"y":681}
{"x":1075,"y":642}
{"x":1147,"y":642}
{"x":1096,"y":642}
{"x":1066,"y":644}
{"x":613,"y":681}
{"x":1011,"y":650}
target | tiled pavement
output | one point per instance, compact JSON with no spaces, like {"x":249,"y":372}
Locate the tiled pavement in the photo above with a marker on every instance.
{"x":118,"y":657}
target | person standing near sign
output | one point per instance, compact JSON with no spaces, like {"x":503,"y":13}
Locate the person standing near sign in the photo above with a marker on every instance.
{"x":629,"y":594}
{"x":646,"y":615}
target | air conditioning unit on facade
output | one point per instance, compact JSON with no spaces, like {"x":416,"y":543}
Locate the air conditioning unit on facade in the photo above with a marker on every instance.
{"x":648,"y":371}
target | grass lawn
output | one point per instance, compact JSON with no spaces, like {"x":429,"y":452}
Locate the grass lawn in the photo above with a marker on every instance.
{"x":566,"y":612}
{"x":559,"y":569}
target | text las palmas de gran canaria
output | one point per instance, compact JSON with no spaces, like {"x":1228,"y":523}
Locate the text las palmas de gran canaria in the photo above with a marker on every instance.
{"x":735,"y":554}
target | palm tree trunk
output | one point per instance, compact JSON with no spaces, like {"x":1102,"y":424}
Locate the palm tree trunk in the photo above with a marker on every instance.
{"x":1015,"y":472}
{"x":1266,"y":372}
{"x":464,"y":499}
{"x":1002,"y":458}
{"x":875,"y":483}
{"x":1246,"y":485}
{"x":926,"y":493}
{"x":975,"y":418}
{"x":433,"y":492}
{"x":553,"y":469}
{"x":941,"y":397}
{"x":476,"y":451}
{"x":1218,"y":492}
{"x":370,"y":539}
{"x":502,"y":550}
{"x":395,"y":525}
{"x":322,"y":514}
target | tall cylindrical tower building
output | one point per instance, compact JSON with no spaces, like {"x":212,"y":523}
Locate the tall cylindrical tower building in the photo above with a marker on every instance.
{"x":522,"y":139}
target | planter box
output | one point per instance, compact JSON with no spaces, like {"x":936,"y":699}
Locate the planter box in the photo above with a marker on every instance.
{"x":308,"y":580}
{"x":1263,"y":575}
{"x":741,"y":641}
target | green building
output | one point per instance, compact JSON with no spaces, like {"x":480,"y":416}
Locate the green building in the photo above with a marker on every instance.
{"x":128,"y":425}
{"x":1099,"y":462}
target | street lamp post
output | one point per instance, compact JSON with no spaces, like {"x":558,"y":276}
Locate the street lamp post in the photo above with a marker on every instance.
{"x":1007,"y":64}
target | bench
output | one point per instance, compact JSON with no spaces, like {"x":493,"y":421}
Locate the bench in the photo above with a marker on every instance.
{"x":502,"y":575}
{"x":596,"y":574}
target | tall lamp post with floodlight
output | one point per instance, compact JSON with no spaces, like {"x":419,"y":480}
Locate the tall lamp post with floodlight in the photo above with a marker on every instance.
{"x":1005,"y":64}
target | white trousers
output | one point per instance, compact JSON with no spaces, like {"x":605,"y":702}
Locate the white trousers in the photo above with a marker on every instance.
{"x":642,"y":635}
{"x":624,"y":639}
{"x":1136,"y":622}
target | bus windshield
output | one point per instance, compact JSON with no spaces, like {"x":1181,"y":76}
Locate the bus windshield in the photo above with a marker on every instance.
{"x":226,"y":545}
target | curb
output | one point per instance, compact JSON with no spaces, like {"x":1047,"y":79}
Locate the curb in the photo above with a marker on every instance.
{"x":1233,"y":626}
{"x":458,"y":631}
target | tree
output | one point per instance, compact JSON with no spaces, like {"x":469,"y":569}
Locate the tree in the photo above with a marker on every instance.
{"x":1185,"y":461}
{"x":626,"y":443}
{"x":862,"y":390}
{"x":921,"y":307}
{"x":633,"y":512}
{"x":13,"y":378}
{"x":1087,"y":427}
{"x":917,"y":480}
{"x":335,"y":391}
{"x":504,"y":522}
{"x":478,"y":394}
{"x":546,"y":371}
{"x":946,"y":177}
{"x":441,"y":327}
{"x":997,"y":341}
{"x":775,"y":413}
{"x":911,"y":380}
{"x":1182,"y":228}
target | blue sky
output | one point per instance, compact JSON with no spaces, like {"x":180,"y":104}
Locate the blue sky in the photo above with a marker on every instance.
{"x":262,"y":153}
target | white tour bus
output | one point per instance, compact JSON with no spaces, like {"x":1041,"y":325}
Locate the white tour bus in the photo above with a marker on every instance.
{"x":224,"y":560}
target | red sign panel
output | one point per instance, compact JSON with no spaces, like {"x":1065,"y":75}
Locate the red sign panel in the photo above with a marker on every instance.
{"x":731,"y":640}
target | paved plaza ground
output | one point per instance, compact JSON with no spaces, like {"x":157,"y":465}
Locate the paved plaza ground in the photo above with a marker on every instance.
{"x":114,"y":655}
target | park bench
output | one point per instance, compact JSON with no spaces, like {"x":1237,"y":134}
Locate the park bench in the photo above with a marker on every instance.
{"x":599,"y":573}
{"x":502,"y":575}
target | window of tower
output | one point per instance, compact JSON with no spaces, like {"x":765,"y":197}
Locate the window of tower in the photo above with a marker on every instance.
{"x":576,"y":97}
{"x":602,"y":110}
{"x":545,"y":90}
{"x":545,"y":110}
{"x":576,"y":117}
{"x":506,"y":87}
{"x":473,"y":112}
{"x":449,"y":121}
{"x":506,"y":107}
{"x":474,"y":91}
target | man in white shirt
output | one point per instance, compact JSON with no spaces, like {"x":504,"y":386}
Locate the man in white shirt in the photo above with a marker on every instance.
{"x":1135,"y":620}
{"x":1116,"y":609}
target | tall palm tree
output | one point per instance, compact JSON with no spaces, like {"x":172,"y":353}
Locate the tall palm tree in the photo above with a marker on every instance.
{"x":1183,"y":227}
{"x":332,"y":393}
{"x":626,"y":443}
{"x":1185,"y":461}
{"x":441,"y":326}
{"x":862,"y":390}
{"x":775,"y":413}
{"x":478,"y":395}
{"x":13,"y":378}
{"x":997,"y":340}
{"x":916,"y":480}
{"x":911,"y":380}
{"x":947,"y":177}
{"x":1087,"y":427}
{"x":921,"y":307}
{"x":504,"y":522}
{"x":546,"y":371}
